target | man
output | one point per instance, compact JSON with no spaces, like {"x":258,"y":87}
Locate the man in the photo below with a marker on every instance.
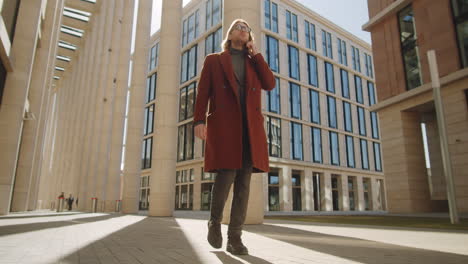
{"x":235,"y":137}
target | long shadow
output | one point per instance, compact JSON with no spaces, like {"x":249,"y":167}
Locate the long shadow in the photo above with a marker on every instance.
{"x":151,"y":240}
{"x":24,"y":228}
{"x":364,"y":251}
{"x":41,"y":215}
{"x":228,"y":259}
{"x":380,"y":227}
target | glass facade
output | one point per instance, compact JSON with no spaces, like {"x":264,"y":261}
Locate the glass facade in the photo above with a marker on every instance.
{"x":312,"y":70}
{"x":334,"y":148}
{"x":295,"y":100}
{"x":314,"y":102}
{"x":274,"y":136}
{"x":271,"y":16}
{"x":272,"y":53}
{"x":213,"y":13}
{"x":296,"y":141}
{"x":291,"y":26}
{"x":344,"y":83}
{"x":316,"y":145}
{"x":213,"y":42}
{"x":327,"y":50}
{"x":409,"y":47}
{"x":460,"y":15}
{"x":309,"y":29}
{"x":348,"y":120}
{"x":350,"y":151}
{"x":294,"y":70}
{"x":364,"y":154}
{"x":330,"y":77}
{"x":332,"y":112}
{"x":342,"y":53}
{"x":274,"y":98}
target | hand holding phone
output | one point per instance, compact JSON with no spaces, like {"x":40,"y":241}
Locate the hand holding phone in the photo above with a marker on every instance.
{"x":252,"y":48}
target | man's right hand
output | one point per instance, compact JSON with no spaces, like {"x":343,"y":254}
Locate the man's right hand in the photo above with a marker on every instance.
{"x":200,"y":131}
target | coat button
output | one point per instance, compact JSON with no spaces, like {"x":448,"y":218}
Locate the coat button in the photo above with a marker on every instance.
{"x":253,"y":88}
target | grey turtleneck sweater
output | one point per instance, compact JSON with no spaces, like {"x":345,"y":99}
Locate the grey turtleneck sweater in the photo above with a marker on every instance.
{"x":238,"y":64}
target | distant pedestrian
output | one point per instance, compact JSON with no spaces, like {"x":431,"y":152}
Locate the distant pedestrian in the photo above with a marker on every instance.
{"x":70,"y":202}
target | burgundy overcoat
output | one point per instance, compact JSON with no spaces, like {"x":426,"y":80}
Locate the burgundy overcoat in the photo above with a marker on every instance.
{"x":217,"y":84}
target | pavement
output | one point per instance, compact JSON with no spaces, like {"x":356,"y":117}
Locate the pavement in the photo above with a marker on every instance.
{"x":75,"y":237}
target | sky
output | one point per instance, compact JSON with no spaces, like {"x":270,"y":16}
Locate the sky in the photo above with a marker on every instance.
{"x":348,"y":14}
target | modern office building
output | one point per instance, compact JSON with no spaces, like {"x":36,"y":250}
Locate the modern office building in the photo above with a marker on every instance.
{"x":403,"y":32}
{"x":324,"y":143}
{"x":84,"y":113}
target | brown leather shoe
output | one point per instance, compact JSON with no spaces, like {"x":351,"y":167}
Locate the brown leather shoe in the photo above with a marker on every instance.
{"x":214,"y":234}
{"x":235,"y":246}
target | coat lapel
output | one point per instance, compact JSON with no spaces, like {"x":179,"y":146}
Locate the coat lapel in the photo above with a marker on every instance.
{"x":226,"y":63}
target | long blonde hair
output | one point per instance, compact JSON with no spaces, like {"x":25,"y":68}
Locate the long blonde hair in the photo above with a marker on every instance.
{"x":226,"y":44}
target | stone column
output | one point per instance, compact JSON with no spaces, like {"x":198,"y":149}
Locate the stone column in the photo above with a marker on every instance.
{"x":132,"y":170}
{"x":165,"y":122}
{"x":285,"y":189}
{"x":360,"y":205}
{"x":344,"y":192}
{"x":25,"y":181}
{"x":120,"y":99}
{"x":197,"y":189}
{"x":326,"y":196}
{"x":308,"y":190}
{"x":15,"y":94}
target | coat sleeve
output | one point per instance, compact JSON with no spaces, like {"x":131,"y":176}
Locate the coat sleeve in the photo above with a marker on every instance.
{"x":203,"y":93}
{"x":264,"y":73}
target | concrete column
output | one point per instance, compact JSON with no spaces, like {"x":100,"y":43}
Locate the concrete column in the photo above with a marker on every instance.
{"x":285,"y":189}
{"x":325,"y":185}
{"x":308,"y":188}
{"x":133,"y":145}
{"x":25,"y":179}
{"x":118,"y":118}
{"x":197,"y":189}
{"x":344,"y":192}
{"x":376,"y":205}
{"x":15,"y":94}
{"x":265,"y":192}
{"x":108,"y":82}
{"x":360,"y":205}
{"x":86,"y":123}
{"x":165,"y":122}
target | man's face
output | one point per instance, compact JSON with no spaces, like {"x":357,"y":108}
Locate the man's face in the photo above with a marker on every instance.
{"x":239,"y":34}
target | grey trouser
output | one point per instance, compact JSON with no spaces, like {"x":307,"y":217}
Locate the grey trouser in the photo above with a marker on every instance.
{"x":241,"y":179}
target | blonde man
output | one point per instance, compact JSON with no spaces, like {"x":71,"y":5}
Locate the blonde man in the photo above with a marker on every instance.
{"x":236,"y":145}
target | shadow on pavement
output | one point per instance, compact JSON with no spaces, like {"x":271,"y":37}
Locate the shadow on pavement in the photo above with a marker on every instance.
{"x":229,"y":259}
{"x":151,"y":240}
{"x":24,"y":228}
{"x":360,"y":250}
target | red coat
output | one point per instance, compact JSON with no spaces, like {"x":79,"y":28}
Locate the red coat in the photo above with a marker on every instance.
{"x":217,"y":84}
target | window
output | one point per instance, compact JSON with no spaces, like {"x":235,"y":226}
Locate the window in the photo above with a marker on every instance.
{"x":189,"y":64}
{"x":364,"y":154}
{"x":272,"y":52}
{"x":371,"y":92}
{"x":331,"y":111}
{"x":149,"y":120}
{"x":273,"y":98}
{"x":358,"y":85}
{"x":147,"y":152}
{"x":187,"y":101}
{"x":348,"y":120}
{"x":351,"y":191}
{"x":296,"y":141}
{"x":291,"y":26}
{"x":334,"y":149}
{"x":314,"y":100}
{"x":151,"y":88}
{"x":185,"y":142}
{"x":329,"y":76}
{"x":310,"y":35}
{"x":295,"y":100}
{"x":377,"y":157}
{"x":350,"y":151}
{"x":369,"y":70}
{"x":356,"y":59}
{"x":213,"y":13}
{"x":361,"y":121}
{"x":190,"y":28}
{"x":460,"y":14}
{"x":213,"y":42}
{"x":326,"y":44}
{"x":344,"y":83}
{"x":342,"y":54}
{"x":274,"y":136}
{"x":312,"y":67}
{"x":153,"y":60}
{"x":409,"y":48}
{"x":316,"y":145}
{"x":367,"y":192}
{"x":293,"y":62}
{"x":374,"y":124}
{"x":273,"y":191}
{"x":271,"y":16}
